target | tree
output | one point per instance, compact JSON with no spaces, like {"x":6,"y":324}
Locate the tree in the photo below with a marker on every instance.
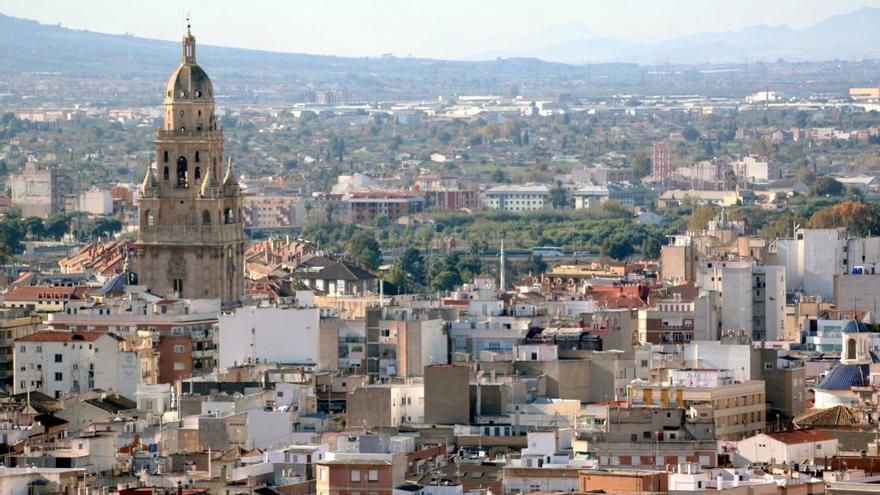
{"x":337,"y":147}
{"x":365,"y":248}
{"x":856,"y":217}
{"x":806,"y":175}
{"x":617,"y":247}
{"x":701,"y":217}
{"x":651,"y":247}
{"x":690,"y":133}
{"x":102,"y":226}
{"x":826,"y":186}
{"x":641,"y":164}
{"x":446,"y":280}
{"x":56,"y":226}
{"x":413,"y":264}
{"x":34,"y":227}
{"x":537,"y":265}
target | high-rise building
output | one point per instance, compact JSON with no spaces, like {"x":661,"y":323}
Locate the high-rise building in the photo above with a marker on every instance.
{"x":661,"y":168}
{"x":191,"y":238}
{"x":35,"y":192}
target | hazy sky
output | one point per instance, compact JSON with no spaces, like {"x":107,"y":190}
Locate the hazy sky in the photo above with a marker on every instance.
{"x":427,"y":28}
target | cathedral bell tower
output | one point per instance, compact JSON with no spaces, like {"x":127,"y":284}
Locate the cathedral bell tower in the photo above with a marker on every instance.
{"x":190,"y":238}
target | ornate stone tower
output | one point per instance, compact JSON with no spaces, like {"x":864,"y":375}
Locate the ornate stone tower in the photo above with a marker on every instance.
{"x":191,"y":241}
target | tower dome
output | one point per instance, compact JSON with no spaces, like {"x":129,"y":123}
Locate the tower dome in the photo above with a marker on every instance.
{"x":189,"y":83}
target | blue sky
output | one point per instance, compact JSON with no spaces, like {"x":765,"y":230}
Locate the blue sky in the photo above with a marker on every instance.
{"x":435,"y":28}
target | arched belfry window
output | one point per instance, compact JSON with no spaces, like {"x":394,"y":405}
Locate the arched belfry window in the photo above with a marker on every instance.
{"x":198,"y":157}
{"x":165,"y":173}
{"x":149,"y":219}
{"x":181,"y":172}
{"x":166,"y":156}
{"x":198,"y":173}
{"x":206,"y":217}
{"x":228,"y":216}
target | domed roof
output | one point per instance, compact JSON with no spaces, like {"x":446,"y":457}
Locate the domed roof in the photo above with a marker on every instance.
{"x":189,"y":83}
{"x":845,"y":376}
{"x":855,"y":326}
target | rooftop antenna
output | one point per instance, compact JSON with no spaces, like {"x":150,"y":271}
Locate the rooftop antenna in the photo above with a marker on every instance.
{"x":188,"y":25}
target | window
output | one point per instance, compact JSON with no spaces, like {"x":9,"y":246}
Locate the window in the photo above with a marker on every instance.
{"x":182,"y":172}
{"x":178,"y":286}
{"x":179,"y":366}
{"x":40,"y":348}
{"x":178,"y":348}
{"x":22,"y":349}
{"x":323,"y":474}
{"x":373,"y":475}
{"x":355,"y":475}
{"x":58,"y":358}
{"x":59,"y":376}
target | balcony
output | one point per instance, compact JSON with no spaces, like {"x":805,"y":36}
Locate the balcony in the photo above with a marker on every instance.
{"x":190,"y":234}
{"x":207,"y":353}
{"x":201,"y":335}
{"x":163,"y":134}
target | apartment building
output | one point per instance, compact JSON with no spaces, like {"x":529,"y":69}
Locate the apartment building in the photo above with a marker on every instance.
{"x":739,"y":408}
{"x":14,"y":324}
{"x":516,"y":198}
{"x":183,"y":332}
{"x":58,"y":363}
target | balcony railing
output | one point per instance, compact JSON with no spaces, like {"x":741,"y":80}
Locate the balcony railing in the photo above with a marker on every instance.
{"x":191,"y":133}
{"x":189,"y":234}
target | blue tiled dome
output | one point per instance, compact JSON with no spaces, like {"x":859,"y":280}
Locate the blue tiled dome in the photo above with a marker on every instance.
{"x":845,"y":376}
{"x":855,"y":326}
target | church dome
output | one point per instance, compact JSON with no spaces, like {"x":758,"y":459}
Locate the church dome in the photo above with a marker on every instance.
{"x":189,"y":83}
{"x":855,"y":326}
{"x":845,"y":376}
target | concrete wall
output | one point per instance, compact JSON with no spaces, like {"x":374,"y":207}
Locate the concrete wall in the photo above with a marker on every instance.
{"x":447,"y":400}
{"x":279,"y":335}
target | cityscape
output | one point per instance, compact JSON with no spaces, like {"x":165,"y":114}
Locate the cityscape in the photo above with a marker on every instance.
{"x":579,"y":261}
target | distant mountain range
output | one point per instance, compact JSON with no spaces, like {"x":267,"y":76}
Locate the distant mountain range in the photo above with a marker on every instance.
{"x":30,"y":48}
{"x":850,"y":36}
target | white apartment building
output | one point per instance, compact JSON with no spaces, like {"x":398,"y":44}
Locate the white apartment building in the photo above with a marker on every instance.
{"x":516,"y":198}
{"x":57,"y":363}
{"x":751,"y":297}
{"x":750,"y":169}
{"x":96,"y":202}
{"x":814,"y":256}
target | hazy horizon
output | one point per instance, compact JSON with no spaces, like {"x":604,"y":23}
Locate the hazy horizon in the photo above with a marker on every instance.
{"x":452,"y":30}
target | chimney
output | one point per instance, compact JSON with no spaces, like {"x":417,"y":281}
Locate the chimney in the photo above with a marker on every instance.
{"x":179,"y":488}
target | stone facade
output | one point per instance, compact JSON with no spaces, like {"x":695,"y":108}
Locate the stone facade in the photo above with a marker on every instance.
{"x":191,"y":237}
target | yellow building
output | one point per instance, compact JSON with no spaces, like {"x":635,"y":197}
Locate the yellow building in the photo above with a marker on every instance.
{"x":864,"y":93}
{"x":738,"y":407}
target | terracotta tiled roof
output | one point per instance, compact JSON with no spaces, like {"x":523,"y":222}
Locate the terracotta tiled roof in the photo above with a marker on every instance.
{"x":61,"y":336}
{"x":32,"y":293}
{"x":801,"y":436}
